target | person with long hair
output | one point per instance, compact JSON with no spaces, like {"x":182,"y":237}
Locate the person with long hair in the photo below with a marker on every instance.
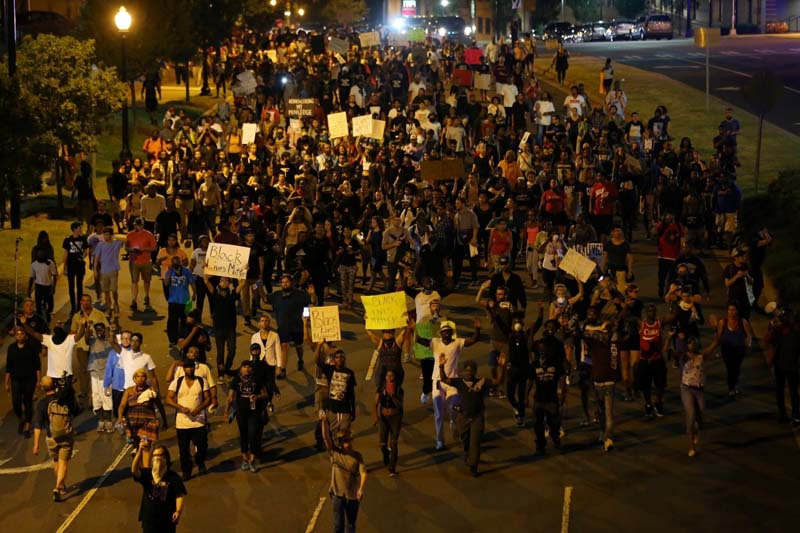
{"x":733,"y":337}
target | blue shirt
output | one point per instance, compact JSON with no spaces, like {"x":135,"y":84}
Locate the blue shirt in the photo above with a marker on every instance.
{"x":108,"y":252}
{"x":179,"y":285}
{"x":115,"y":375}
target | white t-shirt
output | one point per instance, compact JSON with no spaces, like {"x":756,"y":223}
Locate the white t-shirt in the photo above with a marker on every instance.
{"x":190,"y":397}
{"x":509,"y":92}
{"x":131,"y":362}
{"x":270,"y":348}
{"x":545,"y":106}
{"x":199,"y":257}
{"x":575,"y":102}
{"x":200,"y":370}
{"x":59,"y":356}
{"x":452,"y":354}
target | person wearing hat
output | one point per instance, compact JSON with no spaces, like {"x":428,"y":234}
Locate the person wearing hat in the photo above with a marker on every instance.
{"x":140,"y":245}
{"x":472,"y":392}
{"x":190,"y":395}
{"x":444,"y":396}
{"x":76,"y":248}
{"x":739,"y":282}
{"x":511,"y":281}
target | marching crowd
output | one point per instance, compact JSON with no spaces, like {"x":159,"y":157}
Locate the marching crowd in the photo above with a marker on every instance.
{"x":327,"y":218}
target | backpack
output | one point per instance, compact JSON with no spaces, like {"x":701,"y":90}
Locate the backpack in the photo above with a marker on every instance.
{"x":180,"y":380}
{"x":60,"y":419}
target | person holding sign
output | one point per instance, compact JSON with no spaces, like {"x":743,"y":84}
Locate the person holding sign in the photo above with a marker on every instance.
{"x":340,"y":403}
{"x":390,"y":354}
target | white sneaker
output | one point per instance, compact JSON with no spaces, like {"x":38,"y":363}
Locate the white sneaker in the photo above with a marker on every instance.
{"x":423,"y":398}
{"x":101,"y":427}
{"x":439,"y":445}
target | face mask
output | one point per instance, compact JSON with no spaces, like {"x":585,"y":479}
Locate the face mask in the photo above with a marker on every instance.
{"x":561,"y":300}
{"x":159,"y":469}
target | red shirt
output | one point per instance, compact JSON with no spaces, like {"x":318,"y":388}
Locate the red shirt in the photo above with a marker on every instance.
{"x":669,"y":240}
{"x":553,"y":202}
{"x":603,"y":196}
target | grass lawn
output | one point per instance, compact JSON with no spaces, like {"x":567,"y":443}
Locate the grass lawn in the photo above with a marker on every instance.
{"x":686,"y":106}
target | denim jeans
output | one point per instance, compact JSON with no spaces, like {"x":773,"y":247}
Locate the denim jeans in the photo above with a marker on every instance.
{"x":605,"y":402}
{"x":345,"y":513}
{"x":694,"y":403}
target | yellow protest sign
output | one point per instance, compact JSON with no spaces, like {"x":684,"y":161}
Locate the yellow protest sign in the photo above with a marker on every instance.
{"x":325,"y":323}
{"x":385,"y":311}
{"x":227,"y":260}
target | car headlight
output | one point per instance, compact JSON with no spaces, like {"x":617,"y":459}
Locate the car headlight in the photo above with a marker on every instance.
{"x":442,"y":32}
{"x":468,"y":31}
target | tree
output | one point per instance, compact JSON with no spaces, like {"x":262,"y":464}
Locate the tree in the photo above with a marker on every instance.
{"x":763,"y":91}
{"x":546,"y":11}
{"x":630,"y":8}
{"x":585,"y":10}
{"x":344,"y":12}
{"x":72,"y":97}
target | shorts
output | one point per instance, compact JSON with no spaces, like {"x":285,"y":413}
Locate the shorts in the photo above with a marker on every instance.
{"x":109,"y":281}
{"x":727,"y":222}
{"x":60,"y":450}
{"x":291,"y":337}
{"x":141,"y":270}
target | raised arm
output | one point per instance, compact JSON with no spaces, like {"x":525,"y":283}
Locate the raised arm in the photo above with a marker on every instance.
{"x":476,"y":322}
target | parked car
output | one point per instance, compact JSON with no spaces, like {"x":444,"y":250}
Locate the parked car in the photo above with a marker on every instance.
{"x":595,"y":31}
{"x":561,"y":31}
{"x":622,"y":29}
{"x":657,"y":26}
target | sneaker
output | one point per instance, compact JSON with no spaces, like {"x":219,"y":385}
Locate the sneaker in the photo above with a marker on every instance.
{"x":659,"y":410}
{"x":385,"y":452}
{"x":546,"y":432}
{"x":253,"y":468}
{"x":501,"y":395}
{"x":134,"y":307}
{"x":474,"y":471}
{"x":439,"y":445}
{"x":561,"y":433}
{"x":270,"y":408}
{"x":245,"y":466}
{"x":423,"y":398}
{"x":57,"y":495}
{"x":101,"y":427}
{"x":392,"y":473}
{"x":608,"y":445}
{"x":147,"y":302}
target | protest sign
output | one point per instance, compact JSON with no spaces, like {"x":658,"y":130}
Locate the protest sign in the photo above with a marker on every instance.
{"x":385,"y":311}
{"x":325,"y":323}
{"x":442,"y":169}
{"x":462,"y":77}
{"x":472,"y":56}
{"x":300,"y":107}
{"x":337,"y":125}
{"x":249,"y":130}
{"x":362,"y":126}
{"x":370,"y":38}
{"x":378,"y":127}
{"x":577,"y":265}
{"x":227,"y":260}
{"x":483,"y":81}
{"x":337,"y":45}
{"x":524,"y":140}
{"x":247,"y":82}
{"x":592,"y":250}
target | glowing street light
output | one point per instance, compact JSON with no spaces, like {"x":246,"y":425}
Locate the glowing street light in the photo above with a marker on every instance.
{"x":287,"y":13}
{"x":273,"y":3}
{"x":122,"y":20}
{"x":301,"y":11}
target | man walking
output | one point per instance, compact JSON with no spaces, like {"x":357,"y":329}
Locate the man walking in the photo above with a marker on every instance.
{"x":288,"y":304}
{"x":190,"y":395}
{"x":140,"y":245}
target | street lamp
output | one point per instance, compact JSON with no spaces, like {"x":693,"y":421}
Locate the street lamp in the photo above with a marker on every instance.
{"x":122,"y":20}
{"x":273,"y":3}
{"x":301,"y":12}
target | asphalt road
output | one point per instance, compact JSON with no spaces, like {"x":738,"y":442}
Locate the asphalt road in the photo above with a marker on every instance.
{"x":732,"y":64}
{"x":745,"y":478}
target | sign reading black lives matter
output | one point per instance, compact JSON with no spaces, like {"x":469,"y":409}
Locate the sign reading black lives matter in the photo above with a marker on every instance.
{"x":300,"y":107}
{"x":227,"y":261}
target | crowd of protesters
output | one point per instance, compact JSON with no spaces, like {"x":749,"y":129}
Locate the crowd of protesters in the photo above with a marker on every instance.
{"x":328,"y":218}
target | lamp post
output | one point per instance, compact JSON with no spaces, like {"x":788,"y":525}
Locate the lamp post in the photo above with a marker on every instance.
{"x":122,"y":20}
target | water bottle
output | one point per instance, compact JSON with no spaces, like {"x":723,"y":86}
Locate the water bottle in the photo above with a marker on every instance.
{"x":252,"y":403}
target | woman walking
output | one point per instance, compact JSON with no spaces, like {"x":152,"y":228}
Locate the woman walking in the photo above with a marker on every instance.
{"x":389,"y":415}
{"x":733,"y":338}
{"x":693,"y":380}
{"x":250,"y":397}
{"x":561,"y":63}
{"x":139,"y":404}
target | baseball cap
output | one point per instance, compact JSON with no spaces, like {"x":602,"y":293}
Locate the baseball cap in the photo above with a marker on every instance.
{"x":255,"y":346}
{"x":447,"y":324}
{"x":138,"y":221}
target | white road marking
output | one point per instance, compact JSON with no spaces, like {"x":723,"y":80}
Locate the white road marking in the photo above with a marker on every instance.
{"x":695,"y":54}
{"x":372,"y":365}
{"x":796,"y":50}
{"x":738,"y":73}
{"x":45,"y":465}
{"x":727,"y":88}
{"x":766,"y":51}
{"x":664,"y":67}
{"x":631,"y":58}
{"x":4,"y":461}
{"x":731,"y":53}
{"x":313,"y":522}
{"x":664,"y":56}
{"x":565,"y":510}
{"x":74,"y":514}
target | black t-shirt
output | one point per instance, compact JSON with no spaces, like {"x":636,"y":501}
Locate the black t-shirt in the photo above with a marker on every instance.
{"x":75,"y":248}
{"x":617,"y":254}
{"x":37,"y":324}
{"x":547,"y":371}
{"x":243,"y":389}
{"x":167,"y":222}
{"x":186,"y":188}
{"x":159,"y":501}
{"x":23,"y":363}
{"x":105,"y":218}
{"x":224,"y":315}
{"x":472,"y":394}
{"x":341,"y":389}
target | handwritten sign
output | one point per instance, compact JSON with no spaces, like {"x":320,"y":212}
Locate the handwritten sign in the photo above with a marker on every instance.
{"x":370,"y":38}
{"x":227,"y":260}
{"x":325,"y":323}
{"x":592,"y":250}
{"x":337,"y":45}
{"x":472,"y":56}
{"x":577,"y":265}
{"x":462,"y":77}
{"x":385,"y":311}
{"x":362,"y":126}
{"x":378,"y":127}
{"x":337,"y":125}
{"x":483,"y":81}
{"x":249,"y":130}
{"x":247,"y":82}
{"x":300,"y":107}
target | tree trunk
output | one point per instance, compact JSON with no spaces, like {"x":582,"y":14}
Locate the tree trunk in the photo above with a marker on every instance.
{"x":15,"y":204}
